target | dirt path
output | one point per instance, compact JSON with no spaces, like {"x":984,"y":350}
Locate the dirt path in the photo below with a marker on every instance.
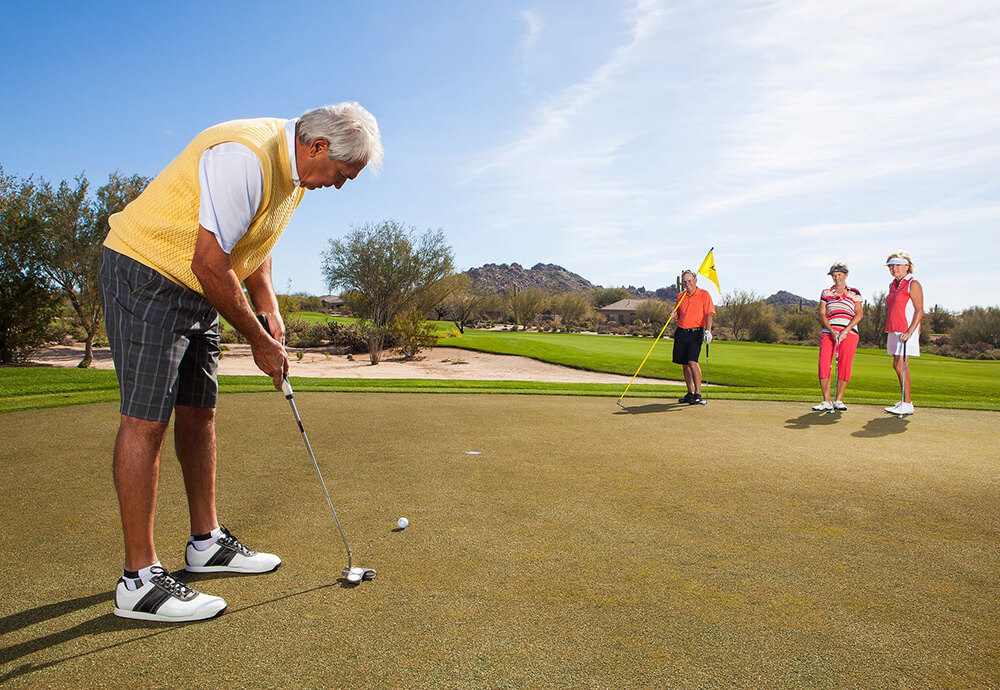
{"x":437,"y":363}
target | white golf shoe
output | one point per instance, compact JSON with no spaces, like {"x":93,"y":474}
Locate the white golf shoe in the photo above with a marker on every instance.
{"x":839,"y":405}
{"x":900,"y":408}
{"x":167,"y":600}
{"x":824,"y":406}
{"x":228,"y":555}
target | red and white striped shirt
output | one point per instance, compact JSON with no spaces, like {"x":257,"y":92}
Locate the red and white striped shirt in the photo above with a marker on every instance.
{"x":840,"y":309}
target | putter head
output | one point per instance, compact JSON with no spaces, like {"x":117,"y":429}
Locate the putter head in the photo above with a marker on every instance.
{"x":355,"y":575}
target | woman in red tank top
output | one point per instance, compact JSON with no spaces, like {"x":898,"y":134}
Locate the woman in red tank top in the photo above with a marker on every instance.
{"x":904,"y":309}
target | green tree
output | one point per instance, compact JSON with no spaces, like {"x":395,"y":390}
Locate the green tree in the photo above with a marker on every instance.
{"x":654,"y":312}
{"x":70,"y":255}
{"x":389,"y":267}
{"x":939,"y":320}
{"x":803,"y":325}
{"x":605,"y":296}
{"x":26,"y":302}
{"x":871,"y":329}
{"x":463,"y":307}
{"x":739,"y":310}
{"x":524,"y":304}
{"x":572,"y":307}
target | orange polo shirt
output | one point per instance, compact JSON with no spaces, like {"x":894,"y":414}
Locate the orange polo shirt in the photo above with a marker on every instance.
{"x":692,"y":309}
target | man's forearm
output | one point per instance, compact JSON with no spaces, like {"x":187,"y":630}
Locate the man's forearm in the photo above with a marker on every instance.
{"x":261,"y":289}
{"x":222,"y":289}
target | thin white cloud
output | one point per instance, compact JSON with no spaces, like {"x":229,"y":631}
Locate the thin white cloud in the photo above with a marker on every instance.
{"x":533,"y":22}
{"x":853,"y":90}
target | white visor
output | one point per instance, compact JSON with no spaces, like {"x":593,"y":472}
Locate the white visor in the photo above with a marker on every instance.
{"x":896,"y":261}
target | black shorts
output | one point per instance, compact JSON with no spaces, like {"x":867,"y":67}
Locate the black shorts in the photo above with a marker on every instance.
{"x":164,"y":339}
{"x":687,"y":344}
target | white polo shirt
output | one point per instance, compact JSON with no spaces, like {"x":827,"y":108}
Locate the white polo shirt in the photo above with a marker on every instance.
{"x":232,"y":182}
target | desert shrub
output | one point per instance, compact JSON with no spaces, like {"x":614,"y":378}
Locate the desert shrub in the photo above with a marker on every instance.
{"x":939,"y":320}
{"x":803,"y":326}
{"x":978,"y":326}
{"x":348,"y":336}
{"x":654,"y":312}
{"x":301,"y":333}
{"x":412,"y":333}
{"x":61,"y":331}
{"x":229,"y":335}
{"x":871,"y":328}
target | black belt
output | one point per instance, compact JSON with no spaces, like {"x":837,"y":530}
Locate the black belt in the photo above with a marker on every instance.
{"x":699,"y":328}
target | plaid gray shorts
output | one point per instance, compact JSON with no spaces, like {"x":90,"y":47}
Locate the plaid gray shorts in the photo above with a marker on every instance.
{"x":164,"y":339}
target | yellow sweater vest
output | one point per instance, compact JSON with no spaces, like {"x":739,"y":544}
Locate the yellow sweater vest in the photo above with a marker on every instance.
{"x":159,"y":228}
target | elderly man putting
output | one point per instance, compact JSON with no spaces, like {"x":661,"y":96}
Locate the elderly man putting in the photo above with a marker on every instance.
{"x":172,"y":262}
{"x":694,"y":312}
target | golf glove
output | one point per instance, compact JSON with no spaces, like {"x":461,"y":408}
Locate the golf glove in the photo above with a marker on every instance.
{"x":708,"y":337}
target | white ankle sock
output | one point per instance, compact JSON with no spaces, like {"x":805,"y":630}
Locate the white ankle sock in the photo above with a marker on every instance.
{"x":202,"y":544}
{"x":145,"y":575}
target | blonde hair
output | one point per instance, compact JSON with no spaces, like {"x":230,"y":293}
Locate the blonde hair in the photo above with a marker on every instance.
{"x":902,"y":255}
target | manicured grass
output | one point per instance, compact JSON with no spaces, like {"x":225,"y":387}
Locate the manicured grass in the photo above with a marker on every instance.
{"x":740,"y":371}
{"x":784,"y":372}
{"x":735,"y":546}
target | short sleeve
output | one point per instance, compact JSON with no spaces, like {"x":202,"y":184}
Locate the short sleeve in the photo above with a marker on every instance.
{"x":232,"y":185}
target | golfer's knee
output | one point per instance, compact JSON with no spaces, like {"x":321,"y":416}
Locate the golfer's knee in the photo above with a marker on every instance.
{"x":195,"y":416}
{"x":145,"y":428}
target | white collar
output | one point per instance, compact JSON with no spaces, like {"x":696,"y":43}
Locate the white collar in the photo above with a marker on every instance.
{"x":290,"y":140}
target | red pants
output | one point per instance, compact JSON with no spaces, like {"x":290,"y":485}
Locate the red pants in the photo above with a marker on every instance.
{"x":848,"y":346}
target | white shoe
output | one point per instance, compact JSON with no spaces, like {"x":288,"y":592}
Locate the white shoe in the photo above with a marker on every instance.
{"x":167,"y":600}
{"x":228,"y":555}
{"x":824,"y":406}
{"x":894,"y":409}
{"x":905,"y":408}
{"x":839,"y":405}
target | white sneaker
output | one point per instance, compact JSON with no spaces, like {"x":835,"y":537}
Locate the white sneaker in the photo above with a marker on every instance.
{"x":228,"y":555}
{"x":167,"y":600}
{"x":824,"y":406}
{"x":905,"y":408}
{"x":894,"y":409}
{"x":839,"y":405}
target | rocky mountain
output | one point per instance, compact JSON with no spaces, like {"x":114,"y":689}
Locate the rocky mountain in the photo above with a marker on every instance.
{"x":493,"y":278}
{"x":783,"y":298}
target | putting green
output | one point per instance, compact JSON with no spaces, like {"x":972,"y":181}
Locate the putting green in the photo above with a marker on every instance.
{"x":735,"y":545}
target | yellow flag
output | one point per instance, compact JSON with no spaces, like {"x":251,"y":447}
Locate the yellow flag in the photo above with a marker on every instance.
{"x":708,"y":269}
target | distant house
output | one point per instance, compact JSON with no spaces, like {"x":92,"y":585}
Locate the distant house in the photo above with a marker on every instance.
{"x":332,"y":302}
{"x":622,"y":311}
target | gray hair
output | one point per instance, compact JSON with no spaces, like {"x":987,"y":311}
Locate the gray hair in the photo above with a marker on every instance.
{"x":351,"y":130}
{"x":684,"y":273}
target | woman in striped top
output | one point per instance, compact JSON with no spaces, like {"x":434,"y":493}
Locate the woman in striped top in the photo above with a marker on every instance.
{"x":840,"y":310}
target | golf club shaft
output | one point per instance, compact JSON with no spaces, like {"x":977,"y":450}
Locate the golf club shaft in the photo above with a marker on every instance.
{"x":290,"y":396}
{"x":305,"y":437}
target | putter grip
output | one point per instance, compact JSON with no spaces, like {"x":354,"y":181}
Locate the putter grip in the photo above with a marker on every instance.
{"x":286,"y":387}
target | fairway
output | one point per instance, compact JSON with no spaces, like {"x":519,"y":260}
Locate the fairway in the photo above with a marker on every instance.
{"x":580,"y":549}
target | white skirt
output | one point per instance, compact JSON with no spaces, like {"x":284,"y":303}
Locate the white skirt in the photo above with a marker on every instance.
{"x":894,"y":346}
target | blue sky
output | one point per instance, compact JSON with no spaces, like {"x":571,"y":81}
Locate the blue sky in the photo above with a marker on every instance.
{"x":618,"y":139}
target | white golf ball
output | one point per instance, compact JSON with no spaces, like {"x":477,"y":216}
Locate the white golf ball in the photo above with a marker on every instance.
{"x":402,"y":522}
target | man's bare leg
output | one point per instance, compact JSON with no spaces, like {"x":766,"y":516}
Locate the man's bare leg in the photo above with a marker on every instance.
{"x":194,"y":438}
{"x":688,"y":377}
{"x":695,"y":376}
{"x":137,"y":473}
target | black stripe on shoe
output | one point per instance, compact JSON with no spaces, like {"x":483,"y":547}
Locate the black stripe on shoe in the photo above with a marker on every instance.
{"x":221,"y":557}
{"x":152,"y":602}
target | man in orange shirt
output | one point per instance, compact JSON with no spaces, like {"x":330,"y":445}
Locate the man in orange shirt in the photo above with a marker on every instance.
{"x":694,"y":312}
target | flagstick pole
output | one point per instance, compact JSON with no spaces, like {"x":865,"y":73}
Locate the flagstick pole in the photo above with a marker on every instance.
{"x":619,"y":402}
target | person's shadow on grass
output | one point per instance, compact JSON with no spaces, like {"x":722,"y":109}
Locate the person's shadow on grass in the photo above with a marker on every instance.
{"x":882,"y":426}
{"x":652,"y":407}
{"x":811,"y":419}
{"x":103,"y":623}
